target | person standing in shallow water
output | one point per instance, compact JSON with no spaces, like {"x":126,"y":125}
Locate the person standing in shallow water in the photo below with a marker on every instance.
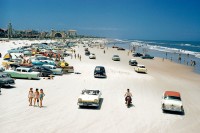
{"x":36,"y":97}
{"x":30,"y":96}
{"x":41,"y":97}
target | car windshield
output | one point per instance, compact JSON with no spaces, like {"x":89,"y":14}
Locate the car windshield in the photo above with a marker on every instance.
{"x":141,"y":66}
{"x":99,"y":69}
{"x":90,"y":92}
{"x":172,"y":98}
{"x":116,"y":56}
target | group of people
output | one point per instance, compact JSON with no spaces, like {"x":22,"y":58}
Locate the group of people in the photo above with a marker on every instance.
{"x":36,"y":96}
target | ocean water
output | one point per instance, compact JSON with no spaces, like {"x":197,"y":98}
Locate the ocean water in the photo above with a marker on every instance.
{"x":189,"y":51}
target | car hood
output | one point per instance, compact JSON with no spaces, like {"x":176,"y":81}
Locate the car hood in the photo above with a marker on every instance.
{"x":172,"y":102}
{"x":89,"y":97}
{"x":7,"y":79}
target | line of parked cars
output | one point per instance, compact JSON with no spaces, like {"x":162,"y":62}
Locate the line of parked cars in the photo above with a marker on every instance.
{"x":40,"y":63}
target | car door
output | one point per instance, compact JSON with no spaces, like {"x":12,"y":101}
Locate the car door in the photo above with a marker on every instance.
{"x":24,"y":73}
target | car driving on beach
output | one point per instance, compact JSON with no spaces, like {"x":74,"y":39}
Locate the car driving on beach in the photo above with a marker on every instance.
{"x":140,"y":69}
{"x":89,"y":98}
{"x":92,"y":56}
{"x":99,"y":72}
{"x":133,"y":62}
{"x":171,"y":101}
{"x":116,"y":58}
{"x":137,"y":54}
{"x":147,"y":56}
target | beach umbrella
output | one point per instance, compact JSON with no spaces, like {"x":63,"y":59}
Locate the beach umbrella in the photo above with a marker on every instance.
{"x":7,"y":56}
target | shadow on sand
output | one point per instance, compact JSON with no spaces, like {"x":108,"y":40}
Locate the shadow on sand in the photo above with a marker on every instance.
{"x":93,"y":108}
{"x":8,"y":87}
{"x":174,"y":113}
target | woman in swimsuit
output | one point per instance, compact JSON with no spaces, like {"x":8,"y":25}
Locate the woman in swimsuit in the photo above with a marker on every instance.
{"x":41,"y":97}
{"x":36,"y":97}
{"x":30,"y":96}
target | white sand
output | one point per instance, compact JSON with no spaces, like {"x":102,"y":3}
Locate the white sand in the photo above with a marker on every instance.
{"x":61,"y":113}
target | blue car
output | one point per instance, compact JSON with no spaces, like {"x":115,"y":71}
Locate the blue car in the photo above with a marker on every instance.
{"x":16,"y":50}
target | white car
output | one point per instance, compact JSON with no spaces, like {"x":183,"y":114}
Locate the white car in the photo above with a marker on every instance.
{"x":171,"y":101}
{"x":56,"y":71}
{"x":140,"y":68}
{"x":92,"y":56}
{"x":116,"y":58}
{"x":89,"y":98}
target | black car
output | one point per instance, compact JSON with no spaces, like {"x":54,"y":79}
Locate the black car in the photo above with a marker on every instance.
{"x":44,"y":72}
{"x":133,"y":62}
{"x":120,"y":48}
{"x":87,"y":53}
{"x":99,"y":72}
{"x":6,"y":80}
{"x":137,"y":54}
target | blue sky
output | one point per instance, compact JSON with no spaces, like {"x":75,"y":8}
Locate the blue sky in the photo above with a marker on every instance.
{"x":124,"y":19}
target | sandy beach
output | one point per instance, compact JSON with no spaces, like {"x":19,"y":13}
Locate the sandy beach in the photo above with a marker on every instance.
{"x":61,"y":113}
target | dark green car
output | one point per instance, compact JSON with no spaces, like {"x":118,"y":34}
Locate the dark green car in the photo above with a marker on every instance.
{"x":147,"y":56}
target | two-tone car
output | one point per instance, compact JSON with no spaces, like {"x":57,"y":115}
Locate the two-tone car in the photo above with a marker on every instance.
{"x":89,"y":98}
{"x":6,"y":80}
{"x":171,"y":101}
{"x":140,"y":68}
{"x":56,"y":71}
{"x":23,"y":72}
{"x":92,"y":56}
{"x":116,"y":58}
{"x":44,"y":71}
{"x":99,"y":72}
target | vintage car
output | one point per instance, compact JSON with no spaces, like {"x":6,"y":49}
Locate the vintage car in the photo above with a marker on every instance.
{"x":171,"y":101}
{"x":116,"y":58}
{"x":42,"y":62}
{"x":147,"y":56}
{"x":44,"y":72}
{"x":87,"y":53}
{"x":140,"y":69}
{"x":16,"y":50}
{"x":99,"y":72}
{"x":115,"y":47}
{"x":133,"y":62}
{"x":120,"y":48}
{"x":22,"y":72}
{"x":56,"y":71}
{"x":137,"y":54}
{"x":89,"y":98}
{"x":6,"y":80}
{"x":92,"y":56}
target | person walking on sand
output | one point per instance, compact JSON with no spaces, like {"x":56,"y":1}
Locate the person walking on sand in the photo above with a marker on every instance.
{"x":41,"y":97}
{"x":36,"y":97}
{"x":30,"y":96}
{"x":75,"y":56}
{"x":80,"y":57}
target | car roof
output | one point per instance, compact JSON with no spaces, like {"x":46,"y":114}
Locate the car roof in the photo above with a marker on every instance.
{"x":172,"y":93}
{"x":140,"y":65}
{"x":100,"y":66}
{"x":133,"y":59}
{"x":25,"y":68}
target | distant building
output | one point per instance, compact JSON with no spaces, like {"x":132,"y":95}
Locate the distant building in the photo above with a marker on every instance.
{"x":10,"y":30}
{"x":71,"y":33}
